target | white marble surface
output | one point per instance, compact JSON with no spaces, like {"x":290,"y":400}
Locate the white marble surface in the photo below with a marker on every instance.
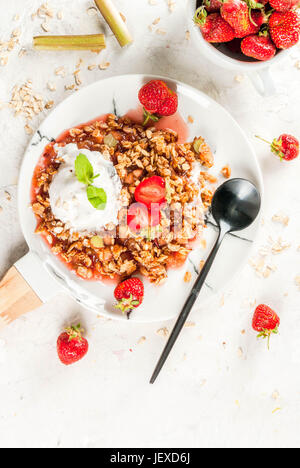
{"x":220,"y":387}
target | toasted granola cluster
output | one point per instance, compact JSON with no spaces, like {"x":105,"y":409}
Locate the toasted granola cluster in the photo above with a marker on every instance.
{"x":137,"y":153}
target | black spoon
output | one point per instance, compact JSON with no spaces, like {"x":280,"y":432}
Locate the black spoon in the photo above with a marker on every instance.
{"x":235,"y":206}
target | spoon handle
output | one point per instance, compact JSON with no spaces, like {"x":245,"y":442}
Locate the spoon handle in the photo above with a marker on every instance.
{"x":188,"y":306}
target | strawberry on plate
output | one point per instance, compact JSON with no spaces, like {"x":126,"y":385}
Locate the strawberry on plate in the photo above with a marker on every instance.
{"x":284,"y":5}
{"x":285,"y":29}
{"x":285,"y":147}
{"x":129,"y":294}
{"x":158,"y":100}
{"x":151,"y":191}
{"x":265,"y":322}
{"x":213,"y":27}
{"x":258,"y":47}
{"x":71,"y":346}
{"x":139,"y":218}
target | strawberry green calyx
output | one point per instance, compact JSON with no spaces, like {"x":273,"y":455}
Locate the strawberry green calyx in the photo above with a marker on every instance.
{"x":264,"y":32}
{"x":148,"y":116}
{"x":127,"y":304}
{"x":276,"y":148}
{"x":200,"y":16}
{"x":253,"y":5}
{"x":75,"y":332}
{"x":267,"y":334}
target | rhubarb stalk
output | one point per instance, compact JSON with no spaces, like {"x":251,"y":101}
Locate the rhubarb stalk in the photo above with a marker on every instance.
{"x":93,"y":42}
{"x":115,"y":21}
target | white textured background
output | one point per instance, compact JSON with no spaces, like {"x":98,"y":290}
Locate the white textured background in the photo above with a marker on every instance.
{"x":220,"y":387}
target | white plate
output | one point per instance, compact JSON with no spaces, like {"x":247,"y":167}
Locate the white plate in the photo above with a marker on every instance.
{"x":230,"y":146}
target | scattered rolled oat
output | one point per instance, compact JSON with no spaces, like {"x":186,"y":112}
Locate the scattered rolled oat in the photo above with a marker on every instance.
{"x":163,"y":332}
{"x":142,"y":340}
{"x":156,"y":21}
{"x":104,"y":65}
{"x":297,"y":280}
{"x":161,"y":32}
{"x":69,"y":87}
{"x":51,"y":86}
{"x":239,"y":78}
{"x":187,"y":35}
{"x":92,"y":67}
{"x":3,"y":61}
{"x":275,"y":395}
{"x":60,"y":71}
{"x":190,"y":119}
{"x":45,"y":26}
{"x":49,"y":105}
{"x":189,"y":324}
{"x":26,"y":103}
{"x":226,"y":171}
{"x":171,"y":5}
{"x":16,"y":33}
{"x":240,"y":352}
{"x":279,"y":246}
{"x":187,"y":277}
{"x":22,"y":52}
{"x":280,"y":218}
{"x":59,"y":15}
{"x":7,"y":195}
{"x":28,"y":129}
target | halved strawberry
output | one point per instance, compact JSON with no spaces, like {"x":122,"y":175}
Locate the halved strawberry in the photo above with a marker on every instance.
{"x":139,"y":218}
{"x":151,"y":191}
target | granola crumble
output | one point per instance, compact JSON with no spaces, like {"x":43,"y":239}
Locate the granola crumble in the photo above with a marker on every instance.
{"x":138,"y":154}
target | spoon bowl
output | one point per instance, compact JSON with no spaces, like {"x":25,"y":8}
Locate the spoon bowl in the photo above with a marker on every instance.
{"x":236,"y":204}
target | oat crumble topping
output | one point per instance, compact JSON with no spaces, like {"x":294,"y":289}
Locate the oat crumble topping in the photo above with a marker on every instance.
{"x":139,"y":153}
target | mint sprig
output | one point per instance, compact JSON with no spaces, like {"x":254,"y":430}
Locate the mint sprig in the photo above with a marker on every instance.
{"x":97,"y":197}
{"x":84,"y":170}
{"x":85,"y":174}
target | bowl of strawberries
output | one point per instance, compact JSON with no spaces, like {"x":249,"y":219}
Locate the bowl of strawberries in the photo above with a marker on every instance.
{"x":247,"y":35}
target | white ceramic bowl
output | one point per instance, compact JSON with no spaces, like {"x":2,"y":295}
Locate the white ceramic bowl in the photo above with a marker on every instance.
{"x":259,"y":72}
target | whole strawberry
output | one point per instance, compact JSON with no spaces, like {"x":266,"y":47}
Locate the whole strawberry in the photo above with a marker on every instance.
{"x":284,"y":5}
{"x":257,"y":19}
{"x":129,"y":294}
{"x":212,"y":6}
{"x":213,"y":27}
{"x":285,"y":29}
{"x":158,"y":100}
{"x":236,"y":13}
{"x":285,"y":147}
{"x":258,"y":47}
{"x":265,"y":322}
{"x":71,"y":346}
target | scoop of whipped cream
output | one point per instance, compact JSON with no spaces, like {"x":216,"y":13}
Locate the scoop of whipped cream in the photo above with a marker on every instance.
{"x":68,"y":197}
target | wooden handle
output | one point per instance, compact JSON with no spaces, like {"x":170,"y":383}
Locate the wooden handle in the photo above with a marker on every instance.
{"x":16,"y":297}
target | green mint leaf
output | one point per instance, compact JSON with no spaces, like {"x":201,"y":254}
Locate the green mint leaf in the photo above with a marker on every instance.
{"x":84,"y":170}
{"x":97,"y":197}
